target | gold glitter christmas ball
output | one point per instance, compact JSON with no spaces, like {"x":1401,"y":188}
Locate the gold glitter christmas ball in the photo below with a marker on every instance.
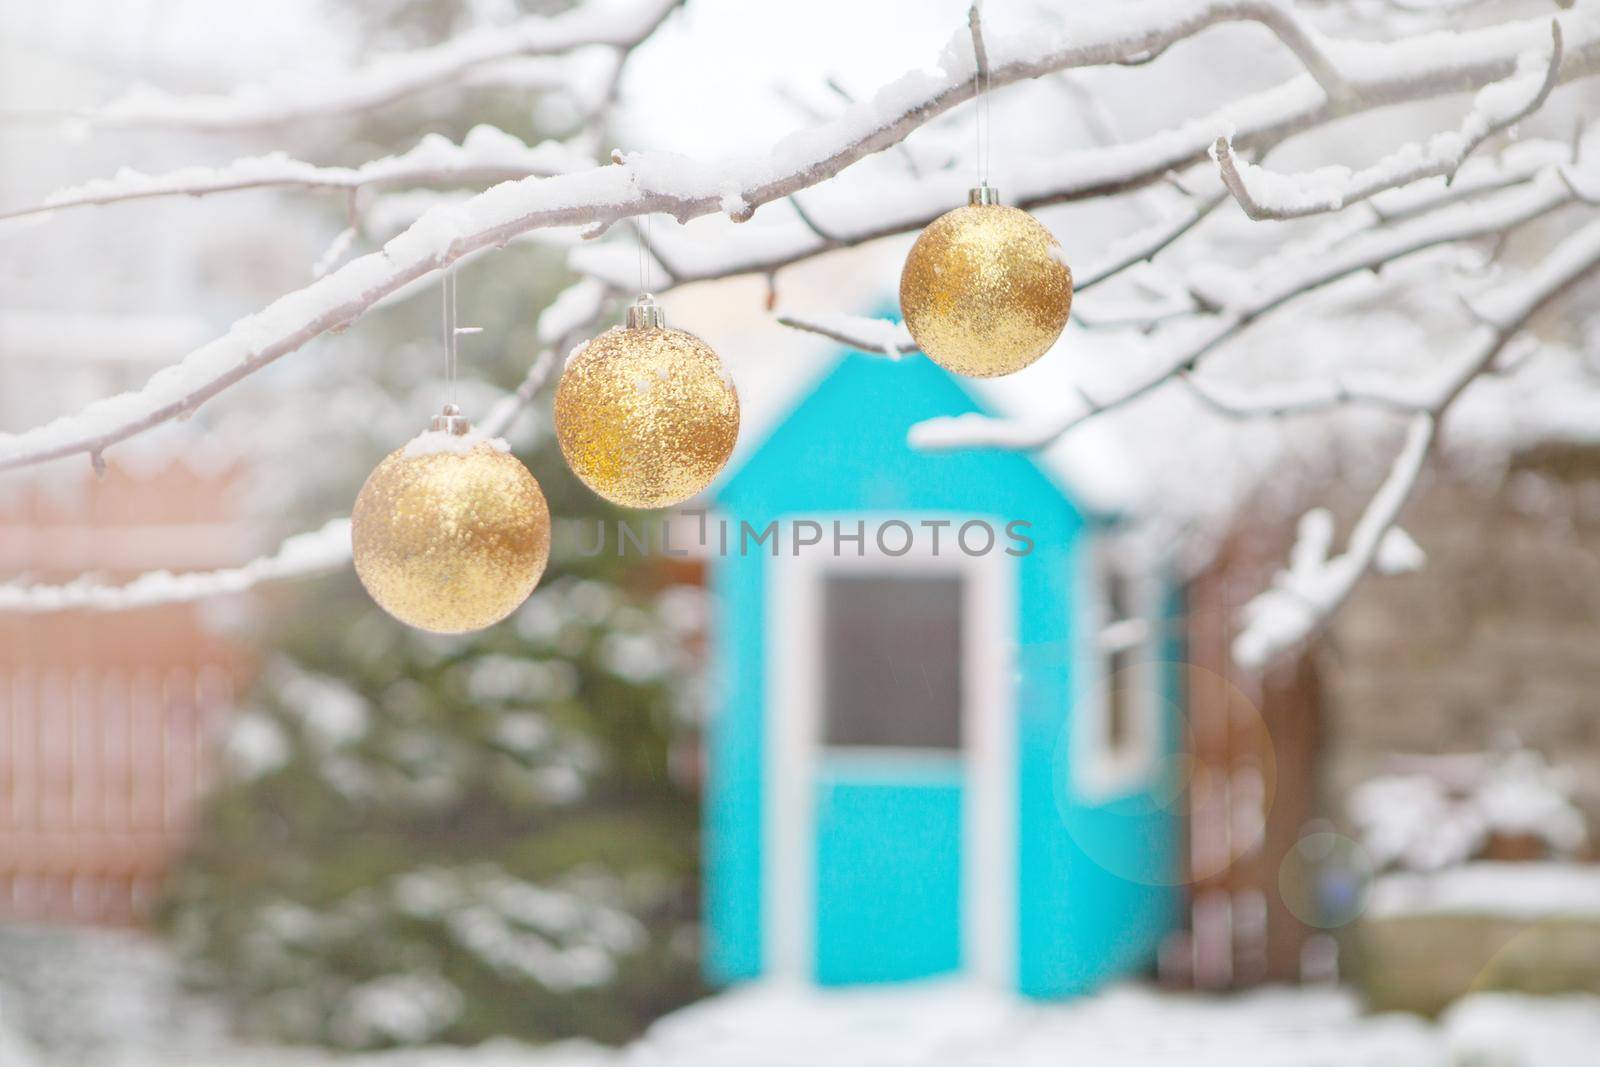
{"x":450,"y":535}
{"x":982,"y":292}
{"x":646,"y":416}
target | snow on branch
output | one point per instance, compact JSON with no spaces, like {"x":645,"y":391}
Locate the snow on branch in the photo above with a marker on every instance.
{"x":862,"y":334}
{"x":1380,"y":73}
{"x":485,"y":155}
{"x":884,"y":337}
{"x":318,"y":552}
{"x":1314,"y":586}
{"x":1264,"y":194}
{"x":1519,"y":162}
{"x":572,"y":314}
{"x":1298,"y":398}
{"x":1277,"y":283}
{"x":1422,"y":67}
{"x":1435,"y":7}
{"x":290,"y":98}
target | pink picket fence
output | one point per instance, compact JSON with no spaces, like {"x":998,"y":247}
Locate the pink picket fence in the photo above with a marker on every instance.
{"x":108,"y":722}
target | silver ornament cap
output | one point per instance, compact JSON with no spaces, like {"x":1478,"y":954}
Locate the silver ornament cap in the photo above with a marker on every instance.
{"x":980,"y":195}
{"x":451,"y":421}
{"x":645,"y":314}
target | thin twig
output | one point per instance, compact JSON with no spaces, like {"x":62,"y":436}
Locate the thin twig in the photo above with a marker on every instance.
{"x":1393,"y":171}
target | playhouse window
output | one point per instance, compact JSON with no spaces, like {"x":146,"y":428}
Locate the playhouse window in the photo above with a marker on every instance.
{"x":1115,"y":727}
{"x":893,"y":674}
{"x":1120,"y":658}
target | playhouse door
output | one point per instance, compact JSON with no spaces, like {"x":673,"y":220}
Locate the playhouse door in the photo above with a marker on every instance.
{"x":898,"y":805}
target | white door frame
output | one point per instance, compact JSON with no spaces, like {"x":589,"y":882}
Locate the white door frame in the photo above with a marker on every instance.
{"x":793,"y":642}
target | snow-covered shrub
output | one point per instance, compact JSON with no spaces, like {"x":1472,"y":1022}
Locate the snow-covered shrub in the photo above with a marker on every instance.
{"x":425,"y":839}
{"x":1421,"y":821}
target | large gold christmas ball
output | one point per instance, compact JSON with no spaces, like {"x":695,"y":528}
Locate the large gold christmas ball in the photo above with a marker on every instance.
{"x":450,"y":541}
{"x":983,"y":293}
{"x":646,"y":416}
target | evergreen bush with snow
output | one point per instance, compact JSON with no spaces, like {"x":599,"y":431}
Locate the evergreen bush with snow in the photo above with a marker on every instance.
{"x":424,"y":838}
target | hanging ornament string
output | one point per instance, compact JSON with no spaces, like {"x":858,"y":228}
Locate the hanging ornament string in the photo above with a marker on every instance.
{"x":452,"y":335}
{"x":448,"y":311}
{"x":983,"y":116}
{"x":985,"y":291}
{"x":450,"y":533}
{"x":641,"y":229}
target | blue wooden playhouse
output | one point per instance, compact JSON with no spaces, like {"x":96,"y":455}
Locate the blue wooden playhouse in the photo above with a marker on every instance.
{"x":931,"y":761}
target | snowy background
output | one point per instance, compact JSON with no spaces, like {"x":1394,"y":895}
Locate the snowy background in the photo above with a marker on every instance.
{"x":430,"y":843}
{"x":127,"y":1010}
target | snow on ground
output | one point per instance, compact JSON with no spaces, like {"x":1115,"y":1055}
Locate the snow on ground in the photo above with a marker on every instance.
{"x":82,"y":999}
{"x":1513,"y":1030}
{"x":85,"y":996}
{"x":1525,"y":891}
{"x":959,"y":1025}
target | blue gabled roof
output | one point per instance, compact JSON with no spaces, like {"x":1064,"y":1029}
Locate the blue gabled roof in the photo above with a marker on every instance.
{"x":843,"y":446}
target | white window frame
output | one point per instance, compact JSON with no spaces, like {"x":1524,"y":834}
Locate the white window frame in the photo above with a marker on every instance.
{"x":794,"y":749}
{"x":1101,"y":773}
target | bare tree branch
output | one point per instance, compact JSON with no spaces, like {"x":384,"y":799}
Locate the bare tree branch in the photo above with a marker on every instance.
{"x":980,"y":53}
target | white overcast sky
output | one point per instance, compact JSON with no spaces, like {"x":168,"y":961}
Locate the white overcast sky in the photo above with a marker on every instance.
{"x":703,"y":86}
{"x":723,"y":58}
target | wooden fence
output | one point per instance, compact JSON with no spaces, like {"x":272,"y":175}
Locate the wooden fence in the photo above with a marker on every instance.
{"x":108,"y":722}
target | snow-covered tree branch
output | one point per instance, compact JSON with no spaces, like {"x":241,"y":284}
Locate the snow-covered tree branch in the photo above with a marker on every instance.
{"x":301,"y":556}
{"x":1306,"y":594}
{"x":1272,"y":288}
{"x":1265,"y":195}
{"x":656,"y":183}
{"x":1458,"y":185}
{"x":620,"y":25}
{"x":485,"y":156}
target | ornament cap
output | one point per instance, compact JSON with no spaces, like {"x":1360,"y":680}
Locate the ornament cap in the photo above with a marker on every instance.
{"x":979,"y":195}
{"x":451,"y":421}
{"x":646,"y":314}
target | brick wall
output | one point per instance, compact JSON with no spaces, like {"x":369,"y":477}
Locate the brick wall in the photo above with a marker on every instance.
{"x":1500,"y":631}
